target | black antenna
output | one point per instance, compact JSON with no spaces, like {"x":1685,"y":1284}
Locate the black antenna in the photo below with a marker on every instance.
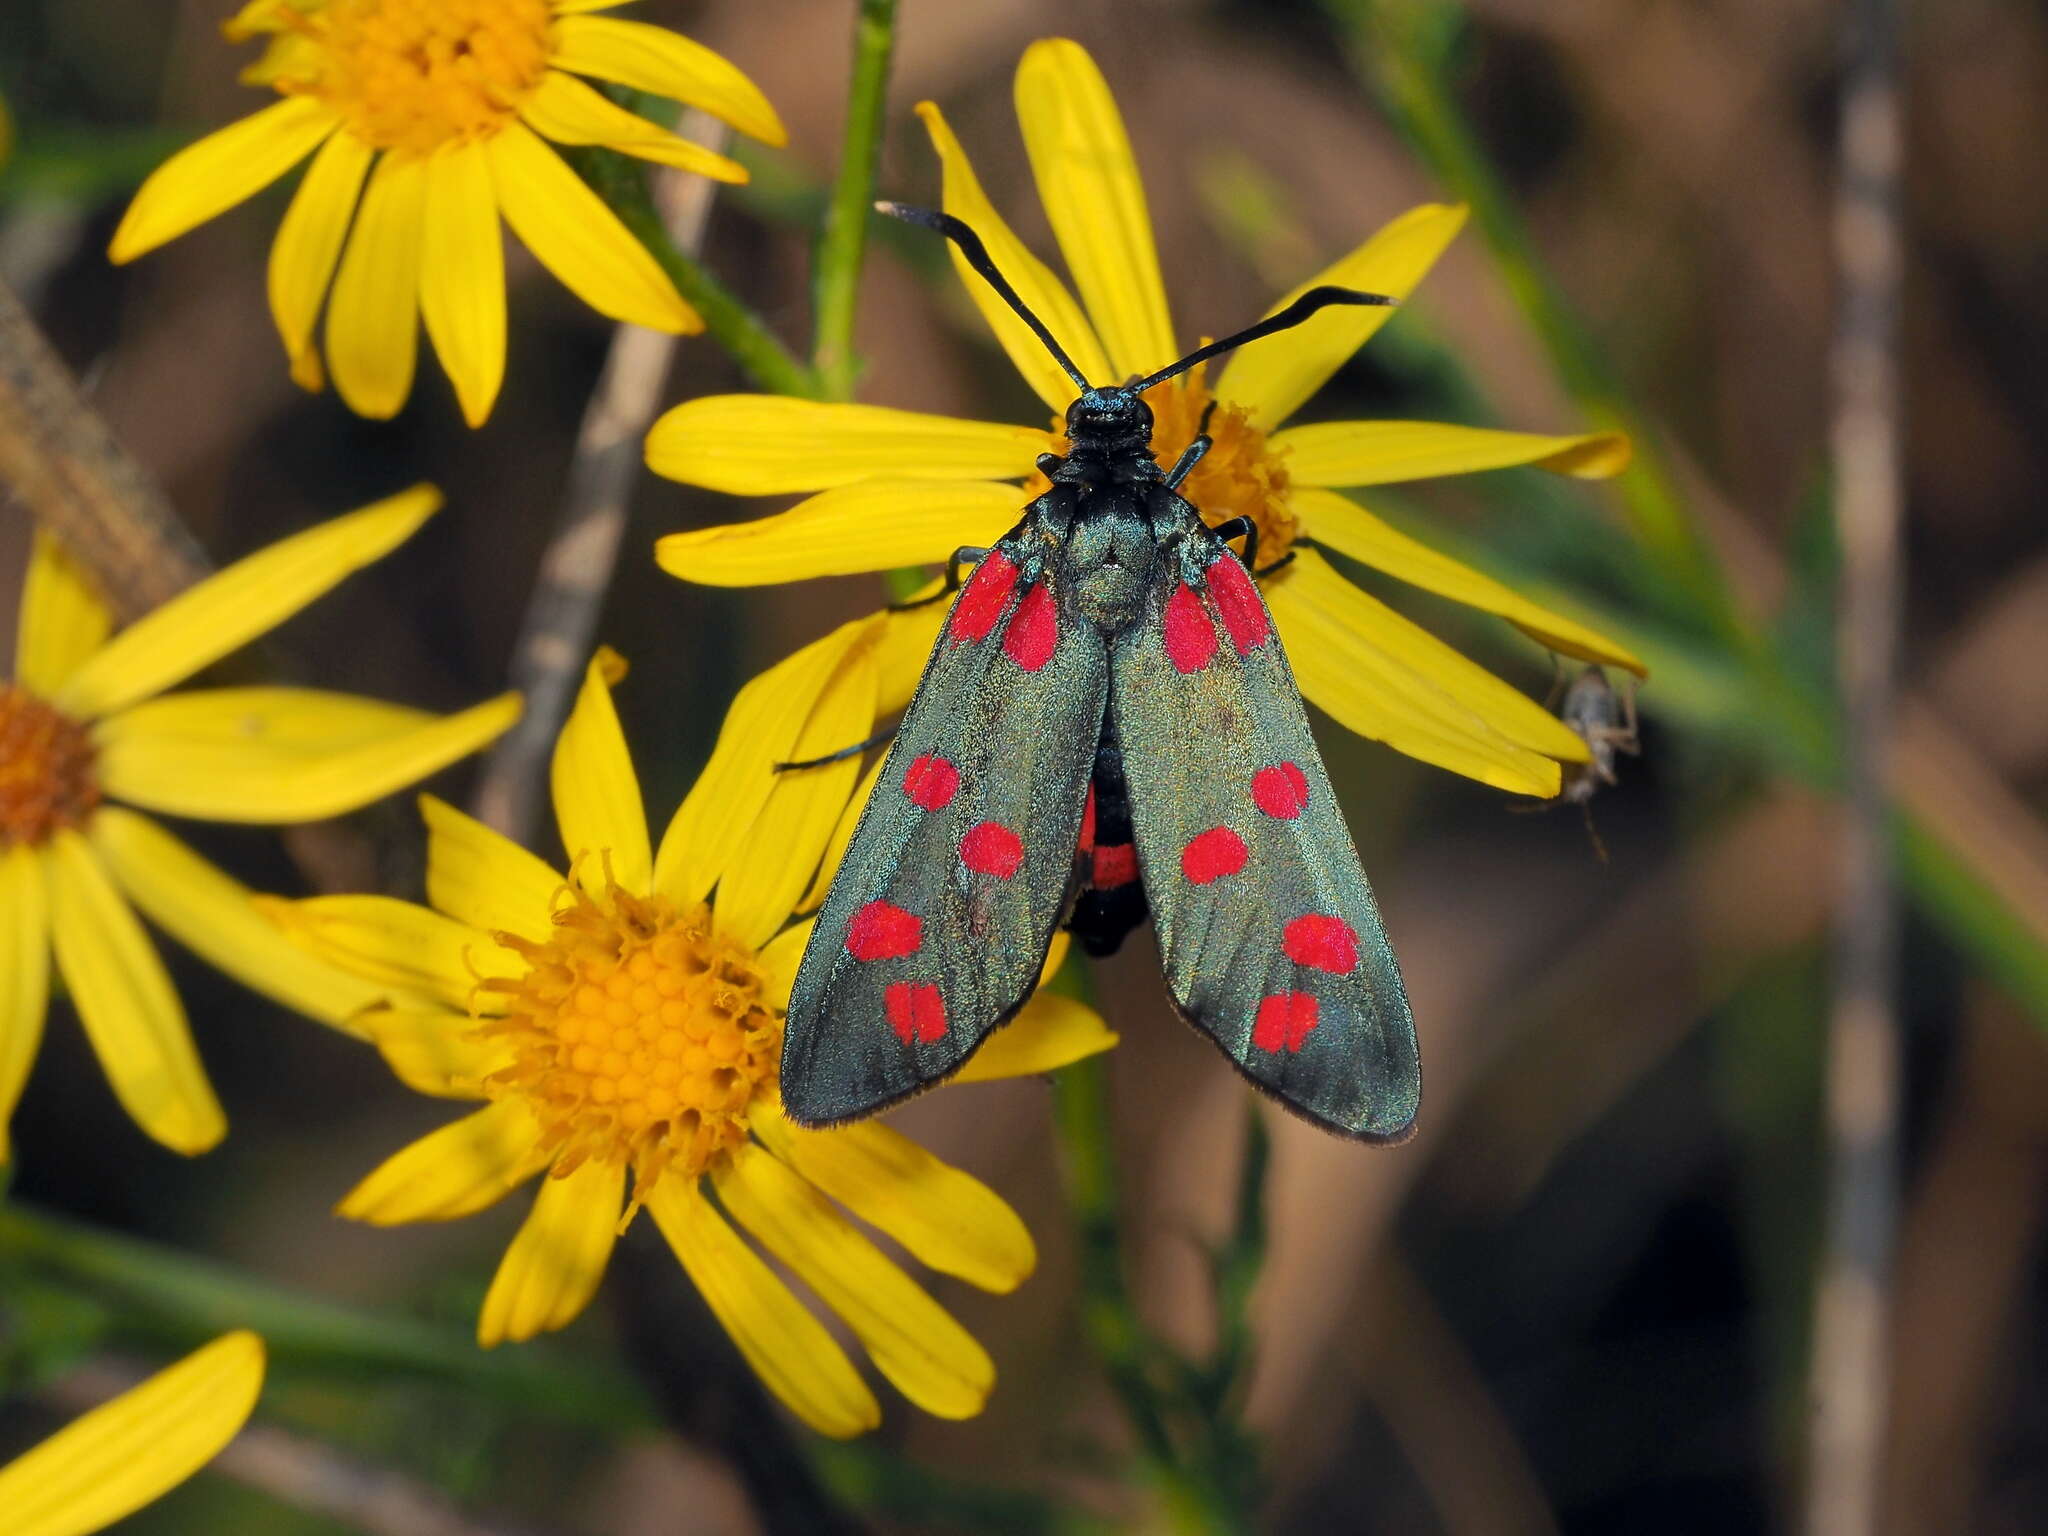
{"x":1286,"y":319}
{"x":978,"y":258}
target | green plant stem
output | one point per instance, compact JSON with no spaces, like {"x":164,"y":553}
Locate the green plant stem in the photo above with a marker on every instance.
{"x":198,"y":1298}
{"x":843,"y":241}
{"x":1404,"y":48}
{"x":622,"y":182}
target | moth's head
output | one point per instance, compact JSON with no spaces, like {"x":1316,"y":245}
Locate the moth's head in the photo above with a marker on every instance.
{"x":1109,"y":421}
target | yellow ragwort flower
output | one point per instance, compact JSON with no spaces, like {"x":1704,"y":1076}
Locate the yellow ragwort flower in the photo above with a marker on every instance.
{"x":902,"y":488}
{"x":434,"y":113}
{"x":136,"y":1448}
{"x":624,"y":1024}
{"x":82,"y":724}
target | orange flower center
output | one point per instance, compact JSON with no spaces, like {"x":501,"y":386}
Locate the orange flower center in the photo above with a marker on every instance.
{"x":412,"y":74}
{"x":46,"y":778}
{"x":1238,"y":477}
{"x":639,"y":1037}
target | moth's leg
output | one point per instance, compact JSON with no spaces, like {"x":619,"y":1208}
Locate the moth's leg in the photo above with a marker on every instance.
{"x":1192,"y":454}
{"x":841,"y":755}
{"x":1632,"y":741}
{"x":966,"y":554}
{"x":1242,"y":528}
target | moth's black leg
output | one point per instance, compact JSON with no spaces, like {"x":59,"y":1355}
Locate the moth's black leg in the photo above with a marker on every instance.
{"x":841,"y":755}
{"x":1278,"y":565}
{"x":966,"y":554}
{"x":1048,"y":462}
{"x":1242,"y":528}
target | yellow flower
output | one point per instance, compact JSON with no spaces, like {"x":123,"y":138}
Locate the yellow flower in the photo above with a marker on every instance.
{"x":82,"y":725}
{"x":624,"y":1024}
{"x":434,"y":113}
{"x":131,"y":1451}
{"x":901,"y":488}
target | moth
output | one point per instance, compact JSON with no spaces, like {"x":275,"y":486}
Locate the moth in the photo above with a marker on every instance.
{"x":1107,"y":725}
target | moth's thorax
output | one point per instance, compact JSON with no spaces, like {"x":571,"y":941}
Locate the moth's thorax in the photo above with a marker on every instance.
{"x":1109,"y":554}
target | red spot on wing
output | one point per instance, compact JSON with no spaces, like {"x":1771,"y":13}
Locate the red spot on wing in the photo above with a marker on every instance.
{"x":1086,"y":845}
{"x":1284,"y":1021}
{"x":916,"y":1011}
{"x":1115,"y":864}
{"x":990,"y":848}
{"x":1211,"y":855}
{"x":1237,"y":600}
{"x":1322,"y":943}
{"x":981,"y":600}
{"x":1281,"y":790}
{"x":1190,"y":637}
{"x":931,"y":781}
{"x":1034,"y":632}
{"x":883,"y":931}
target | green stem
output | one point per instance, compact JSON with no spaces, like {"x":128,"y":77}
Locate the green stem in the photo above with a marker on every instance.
{"x":843,"y":241}
{"x":1405,"y":49}
{"x":199,"y":1298}
{"x":622,"y":182}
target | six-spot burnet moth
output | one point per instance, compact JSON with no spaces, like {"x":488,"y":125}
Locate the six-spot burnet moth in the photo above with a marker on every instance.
{"x":1107,"y":724}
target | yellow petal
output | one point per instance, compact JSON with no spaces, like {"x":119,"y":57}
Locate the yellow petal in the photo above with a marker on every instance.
{"x":551,"y":1270}
{"x":789,"y":835}
{"x":949,"y":1220}
{"x":1353,"y":453}
{"x":133,"y":1449}
{"x":126,"y":1003}
{"x":876,"y":525}
{"x":271,"y":755}
{"x":576,"y":237}
{"x":662,"y":62}
{"x":484,"y":878}
{"x":1343,"y":525}
{"x":780,"y":957}
{"x":63,"y":621}
{"x":1272,"y":378}
{"x":456,"y":1171}
{"x":1051,"y":1031}
{"x":24,"y":975}
{"x":396,"y":944}
{"x":237,"y":604}
{"x":1343,"y":670}
{"x":760,"y":731}
{"x":219,"y":171}
{"x":213,"y":915}
{"x":373,"y":316}
{"x":1041,"y":290}
{"x":462,"y":277}
{"x":434,"y":1051}
{"x":909,"y":636}
{"x":309,"y":241}
{"x":566,"y":110}
{"x":788,"y":1348}
{"x":913,"y":1341}
{"x":597,"y":794}
{"x":763,"y":445}
{"x":1088,"y":180}
{"x":842,"y":836}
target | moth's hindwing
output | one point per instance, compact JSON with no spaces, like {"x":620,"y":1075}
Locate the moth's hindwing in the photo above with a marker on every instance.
{"x":939,"y":919}
{"x":1268,"y":932}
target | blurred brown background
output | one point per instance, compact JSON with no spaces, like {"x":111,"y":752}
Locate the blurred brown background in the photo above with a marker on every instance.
{"x":1579,"y":1300}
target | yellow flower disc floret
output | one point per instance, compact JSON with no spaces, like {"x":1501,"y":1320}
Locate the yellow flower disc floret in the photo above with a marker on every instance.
{"x":413,"y":75}
{"x":46,"y":769}
{"x":638,"y":1037}
{"x":1238,"y":477}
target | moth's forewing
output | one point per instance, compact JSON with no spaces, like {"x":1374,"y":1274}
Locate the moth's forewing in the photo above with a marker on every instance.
{"x":939,"y":919}
{"x":1268,"y":932}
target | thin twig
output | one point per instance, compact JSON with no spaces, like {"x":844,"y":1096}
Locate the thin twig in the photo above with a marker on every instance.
{"x":1850,"y":1368}
{"x":307,"y":1475}
{"x":576,"y":572}
{"x":844,"y":239}
{"x":60,"y":461}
